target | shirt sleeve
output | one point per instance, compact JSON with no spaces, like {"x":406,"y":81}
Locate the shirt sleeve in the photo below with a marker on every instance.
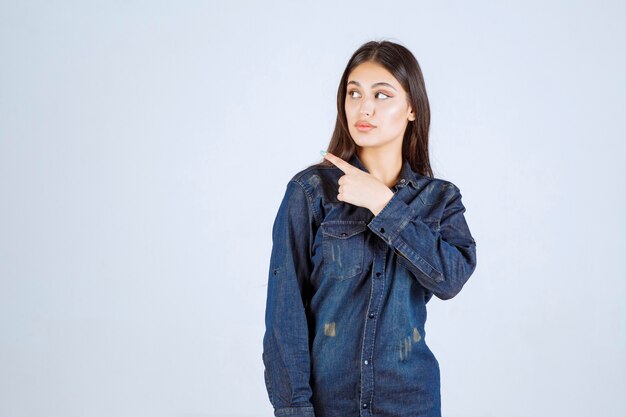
{"x":286,"y":341}
{"x":441,"y":258}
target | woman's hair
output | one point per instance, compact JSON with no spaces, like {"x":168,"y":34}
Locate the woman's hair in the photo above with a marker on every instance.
{"x":401,"y":63}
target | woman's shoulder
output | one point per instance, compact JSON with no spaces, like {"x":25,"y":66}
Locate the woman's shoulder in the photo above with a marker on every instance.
{"x":314,"y":175}
{"x":432,"y":190}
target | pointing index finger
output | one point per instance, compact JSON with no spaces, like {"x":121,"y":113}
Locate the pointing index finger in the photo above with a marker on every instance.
{"x":346,"y":167}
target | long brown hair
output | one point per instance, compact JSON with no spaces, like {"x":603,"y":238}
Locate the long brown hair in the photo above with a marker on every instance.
{"x":401,"y":63}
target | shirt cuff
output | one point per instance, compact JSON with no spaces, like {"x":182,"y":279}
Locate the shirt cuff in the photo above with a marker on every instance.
{"x":390,"y":221}
{"x":294,"y":412}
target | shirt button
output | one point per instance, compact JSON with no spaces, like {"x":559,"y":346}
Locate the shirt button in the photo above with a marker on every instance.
{"x":364,"y":405}
{"x":402,"y":180}
{"x":382,"y":230}
{"x":371,"y":315}
{"x":365,"y":362}
{"x":377,"y":274}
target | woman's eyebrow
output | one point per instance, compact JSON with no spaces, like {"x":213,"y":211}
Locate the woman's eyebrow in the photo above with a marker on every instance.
{"x":373,"y":85}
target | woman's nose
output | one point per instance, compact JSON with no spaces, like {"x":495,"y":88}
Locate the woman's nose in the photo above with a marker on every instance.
{"x":367,"y":106}
{"x":366,"y":109}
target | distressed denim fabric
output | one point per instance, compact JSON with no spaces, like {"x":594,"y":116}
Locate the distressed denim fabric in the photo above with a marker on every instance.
{"x":347,"y":294}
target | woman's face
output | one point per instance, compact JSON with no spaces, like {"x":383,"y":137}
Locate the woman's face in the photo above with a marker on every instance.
{"x":374,"y":96}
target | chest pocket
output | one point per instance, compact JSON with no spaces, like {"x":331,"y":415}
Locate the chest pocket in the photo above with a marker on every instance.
{"x":343,"y":247}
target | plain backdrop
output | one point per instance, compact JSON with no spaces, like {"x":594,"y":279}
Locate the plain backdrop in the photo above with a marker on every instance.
{"x":145,"y":147}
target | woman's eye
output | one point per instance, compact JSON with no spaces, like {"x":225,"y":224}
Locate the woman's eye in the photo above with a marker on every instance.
{"x":385,"y":96}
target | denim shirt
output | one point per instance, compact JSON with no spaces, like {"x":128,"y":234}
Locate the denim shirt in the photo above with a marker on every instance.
{"x":347,"y":293}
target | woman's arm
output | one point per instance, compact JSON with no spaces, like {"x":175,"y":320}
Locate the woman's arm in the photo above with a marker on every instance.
{"x":441,"y":260}
{"x":286,"y":340}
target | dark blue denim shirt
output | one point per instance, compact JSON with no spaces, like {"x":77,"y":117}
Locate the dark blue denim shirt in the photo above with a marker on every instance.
{"x":347,"y":294}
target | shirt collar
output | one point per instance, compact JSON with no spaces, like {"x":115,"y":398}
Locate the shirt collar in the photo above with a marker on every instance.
{"x":407,"y":175}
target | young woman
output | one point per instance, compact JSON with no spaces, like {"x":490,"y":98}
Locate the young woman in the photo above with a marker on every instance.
{"x":361,"y":242}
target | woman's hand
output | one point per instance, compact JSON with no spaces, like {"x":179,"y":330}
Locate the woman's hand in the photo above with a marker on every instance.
{"x":359,"y":187}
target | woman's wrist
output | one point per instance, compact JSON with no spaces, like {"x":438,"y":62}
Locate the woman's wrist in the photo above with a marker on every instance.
{"x":382,"y":202}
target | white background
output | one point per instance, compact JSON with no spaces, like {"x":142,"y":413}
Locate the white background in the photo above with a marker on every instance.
{"x":145,"y":147}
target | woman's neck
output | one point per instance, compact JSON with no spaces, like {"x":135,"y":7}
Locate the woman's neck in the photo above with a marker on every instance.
{"x":386,"y":166}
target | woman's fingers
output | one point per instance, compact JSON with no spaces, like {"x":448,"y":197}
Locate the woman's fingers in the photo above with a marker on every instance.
{"x":345,"y":166}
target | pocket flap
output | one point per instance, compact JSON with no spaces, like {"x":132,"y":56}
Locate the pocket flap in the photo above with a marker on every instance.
{"x":343,"y":229}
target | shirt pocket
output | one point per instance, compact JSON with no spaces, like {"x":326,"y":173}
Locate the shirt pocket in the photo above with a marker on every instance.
{"x":343,"y":247}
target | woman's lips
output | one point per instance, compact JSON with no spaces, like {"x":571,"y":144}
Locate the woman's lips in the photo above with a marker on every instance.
{"x":364,"y":127}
